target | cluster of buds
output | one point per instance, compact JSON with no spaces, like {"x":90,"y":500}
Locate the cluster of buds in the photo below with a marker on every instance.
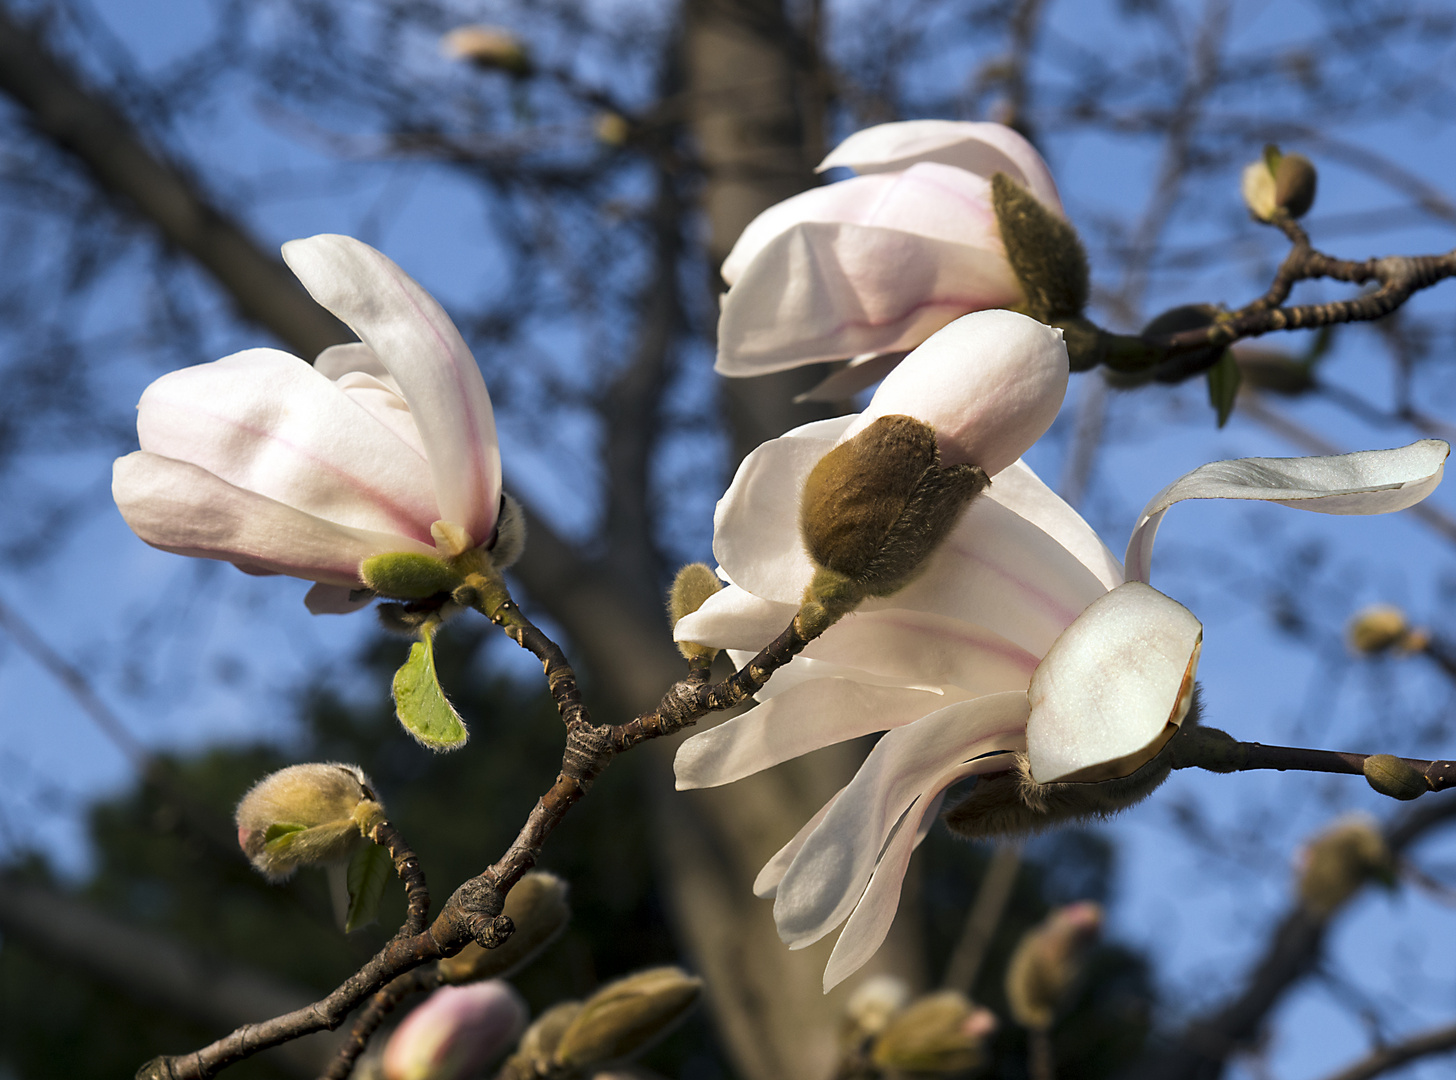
{"x":1383,"y":628}
{"x":1338,"y":862}
{"x":306,"y":814}
{"x":1048,"y":963}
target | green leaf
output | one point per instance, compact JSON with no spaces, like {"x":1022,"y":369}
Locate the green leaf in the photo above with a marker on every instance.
{"x":1223,"y":386}
{"x":278,"y":831}
{"x":420,"y":703}
{"x":369,"y":872}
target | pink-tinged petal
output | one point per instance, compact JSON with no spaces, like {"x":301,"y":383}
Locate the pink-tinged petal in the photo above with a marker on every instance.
{"x":803,"y":669}
{"x":268,"y":422}
{"x":353,"y":357}
{"x":806,"y":717}
{"x":419,"y":345}
{"x":982,"y":147}
{"x":860,"y":374}
{"x":1365,"y":482}
{"x":1021,"y":491}
{"x":766,"y":885}
{"x":830,"y":873}
{"x":335,"y":600}
{"x":182,"y":508}
{"x":823,"y":291}
{"x":990,"y":384}
{"x":455,"y":1033}
{"x":1114,"y":687}
{"x":929,"y":200}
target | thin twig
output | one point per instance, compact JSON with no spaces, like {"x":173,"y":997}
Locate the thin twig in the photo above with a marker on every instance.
{"x":372,"y":1015}
{"x":1440,"y":1040}
{"x":983,"y":919}
{"x":1235,"y":756}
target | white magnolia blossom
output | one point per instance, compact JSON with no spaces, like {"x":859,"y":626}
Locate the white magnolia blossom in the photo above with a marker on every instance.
{"x":875,"y":264}
{"x":1023,"y":633}
{"x":282,"y":467}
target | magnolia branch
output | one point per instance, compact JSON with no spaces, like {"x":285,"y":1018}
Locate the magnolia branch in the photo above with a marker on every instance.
{"x":1440,"y":1040}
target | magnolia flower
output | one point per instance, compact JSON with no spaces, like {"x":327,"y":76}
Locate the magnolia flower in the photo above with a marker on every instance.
{"x":875,"y":264}
{"x":282,"y":467}
{"x":1023,"y":634}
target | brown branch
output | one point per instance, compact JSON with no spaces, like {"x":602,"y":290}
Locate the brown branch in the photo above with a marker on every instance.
{"x":1235,"y":756}
{"x":407,"y":866}
{"x":372,"y":1015}
{"x":1440,"y":1040}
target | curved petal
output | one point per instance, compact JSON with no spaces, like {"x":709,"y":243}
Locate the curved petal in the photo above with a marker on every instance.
{"x":860,"y":374}
{"x":982,"y":147}
{"x":803,"y":718}
{"x":1365,"y":482}
{"x":1114,"y":687}
{"x":766,"y":885}
{"x":990,"y":384}
{"x":929,"y":200}
{"x":179,"y":507}
{"x":268,"y":422}
{"x":824,"y":291}
{"x":335,"y":600}
{"x":1022,"y":492}
{"x":414,"y":338}
{"x":830,"y":873}
{"x":354,"y":356}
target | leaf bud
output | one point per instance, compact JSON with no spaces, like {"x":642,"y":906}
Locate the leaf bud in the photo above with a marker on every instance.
{"x":303,"y":814}
{"x":1049,"y":961}
{"x":940,"y":1033}
{"x":873,"y":1003}
{"x":1337,"y":862}
{"x":1383,"y":627}
{"x":626,"y":1017}
{"x":408,"y":575}
{"x":1044,"y":251}
{"x":1394,"y":777}
{"x":538,"y":908}
{"x":876,"y":506}
{"x":694,"y":583}
{"x":455,"y":1033}
{"x":488,"y":48}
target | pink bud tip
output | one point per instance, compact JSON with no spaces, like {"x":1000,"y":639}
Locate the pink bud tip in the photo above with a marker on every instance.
{"x":455,"y":1033}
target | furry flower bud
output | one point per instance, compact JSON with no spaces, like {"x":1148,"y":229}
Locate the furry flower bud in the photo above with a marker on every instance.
{"x":408,"y":575}
{"x":455,"y":1033}
{"x":694,"y":583}
{"x":537,"y":907}
{"x":1048,"y":962}
{"x":488,"y":47}
{"x":1381,"y":628}
{"x":304,"y":814}
{"x":873,"y":1004}
{"x":626,"y":1017}
{"x":940,"y":1033}
{"x":1044,"y":250}
{"x":1340,"y":860}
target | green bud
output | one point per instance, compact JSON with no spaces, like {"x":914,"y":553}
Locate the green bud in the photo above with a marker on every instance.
{"x":1398,"y":779}
{"x":1044,"y":251}
{"x":1340,"y":860}
{"x":876,"y":506}
{"x":1295,"y":180}
{"x":305,"y":814}
{"x":694,"y":583}
{"x":538,"y":908}
{"x":1048,"y":962}
{"x":940,"y":1033}
{"x":408,"y":575}
{"x":626,"y":1017}
{"x":872,"y":1005}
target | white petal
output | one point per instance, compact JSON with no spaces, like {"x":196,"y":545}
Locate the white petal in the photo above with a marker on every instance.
{"x":182,"y":508}
{"x":1021,"y":491}
{"x":733,"y":618}
{"x":766,"y":884}
{"x":354,"y":356}
{"x":830,"y":873}
{"x":335,"y":600}
{"x":937,"y":201}
{"x":802,"y":669}
{"x":1113,"y":688}
{"x":823,"y":291}
{"x":805,"y":717}
{"x":414,"y":338}
{"x":268,"y":422}
{"x":1366,"y":482}
{"x":990,"y":384}
{"x":979,"y":147}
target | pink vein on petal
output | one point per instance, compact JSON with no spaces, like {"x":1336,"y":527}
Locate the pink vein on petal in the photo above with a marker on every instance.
{"x":1047,"y":602}
{"x":989,"y":642}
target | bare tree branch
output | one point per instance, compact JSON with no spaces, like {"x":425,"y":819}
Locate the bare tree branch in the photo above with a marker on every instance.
{"x":1440,"y":1040}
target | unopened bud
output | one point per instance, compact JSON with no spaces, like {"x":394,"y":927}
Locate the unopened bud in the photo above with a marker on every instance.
{"x":1382,"y":627}
{"x":1044,"y":251}
{"x":876,"y":506}
{"x":940,"y":1033}
{"x":1279,"y":181}
{"x":612,"y":129}
{"x":489,"y":47}
{"x":1337,"y":862}
{"x":536,"y":1054}
{"x":873,"y":1003}
{"x":408,"y":575}
{"x":305,"y":814}
{"x":537,"y":907}
{"x":1395,"y":777}
{"x":1048,"y":961}
{"x":694,"y":583}
{"x":455,"y":1033}
{"x":627,"y":1016}
{"x":1257,"y":185}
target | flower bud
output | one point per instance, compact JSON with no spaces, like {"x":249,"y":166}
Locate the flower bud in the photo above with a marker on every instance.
{"x":870,"y":1008}
{"x":408,"y":575}
{"x":455,"y":1033}
{"x":1044,"y":251}
{"x":877,"y":505}
{"x":1048,"y":961}
{"x":940,"y":1033}
{"x":487,"y":47}
{"x":1257,"y":185}
{"x":305,"y":814}
{"x":1394,"y":777}
{"x":1337,"y":862}
{"x":1279,"y":181}
{"x":538,"y":1046}
{"x":694,"y":583}
{"x":538,"y":908}
{"x":627,"y":1016}
{"x":1382,"y":627}
{"x":612,"y":129}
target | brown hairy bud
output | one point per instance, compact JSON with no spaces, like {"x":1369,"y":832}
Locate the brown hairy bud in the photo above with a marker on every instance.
{"x":1339,"y":861}
{"x":1044,"y":251}
{"x":488,"y":47}
{"x":1049,"y":961}
{"x":694,"y":583}
{"x":940,"y":1033}
{"x":1394,"y":777}
{"x":537,"y":906}
{"x":876,"y":506}
{"x":1295,"y":180}
{"x":303,"y":814}
{"x":626,"y":1017}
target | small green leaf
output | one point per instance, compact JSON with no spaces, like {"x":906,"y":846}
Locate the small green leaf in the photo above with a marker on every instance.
{"x":1223,"y":386}
{"x":420,"y":703}
{"x":369,"y":872}
{"x":277,"y":831}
